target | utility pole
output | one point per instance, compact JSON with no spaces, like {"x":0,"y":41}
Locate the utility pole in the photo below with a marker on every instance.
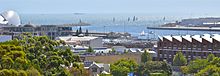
{"x":104,"y":29}
{"x":124,"y":27}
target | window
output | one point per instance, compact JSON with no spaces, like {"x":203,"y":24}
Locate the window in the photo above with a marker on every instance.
{"x":204,"y":46}
{"x":210,"y":46}
{"x":94,"y":69}
{"x":194,"y":46}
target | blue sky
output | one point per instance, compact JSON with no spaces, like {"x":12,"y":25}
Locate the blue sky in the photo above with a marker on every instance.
{"x":112,"y":6}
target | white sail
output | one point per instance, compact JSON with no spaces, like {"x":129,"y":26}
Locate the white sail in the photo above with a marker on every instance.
{"x":151,"y":32}
{"x":142,"y":33}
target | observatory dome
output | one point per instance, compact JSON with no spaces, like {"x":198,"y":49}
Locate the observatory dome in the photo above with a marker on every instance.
{"x":10,"y":18}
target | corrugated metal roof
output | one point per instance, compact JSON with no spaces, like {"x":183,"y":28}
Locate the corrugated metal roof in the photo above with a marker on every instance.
{"x":197,"y":38}
{"x":187,"y":37}
{"x":168,"y":38}
{"x":207,"y":37}
{"x":216,"y":37}
{"x":179,"y":38}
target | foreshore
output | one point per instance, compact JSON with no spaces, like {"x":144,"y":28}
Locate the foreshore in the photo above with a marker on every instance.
{"x":187,"y":28}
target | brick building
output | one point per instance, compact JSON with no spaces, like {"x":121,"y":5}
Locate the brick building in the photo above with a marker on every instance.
{"x":192,"y":46}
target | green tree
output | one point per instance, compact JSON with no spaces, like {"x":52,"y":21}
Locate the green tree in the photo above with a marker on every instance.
{"x":33,"y":72}
{"x":6,"y":72}
{"x":113,"y":50}
{"x":203,"y":67}
{"x":145,"y":57}
{"x":105,"y":75}
{"x":20,"y":63}
{"x":179,"y":60}
{"x":79,"y":71}
{"x":123,"y":67}
{"x":22,"y":73}
{"x":64,"y":73}
{"x":12,"y":72}
{"x":35,"y":55}
{"x":210,"y":57}
{"x":196,"y":65}
{"x":119,"y":70}
{"x":90,"y":50}
{"x":6,"y":62}
{"x":184,"y":69}
{"x":142,"y":70}
{"x":210,"y":70}
{"x":152,"y":67}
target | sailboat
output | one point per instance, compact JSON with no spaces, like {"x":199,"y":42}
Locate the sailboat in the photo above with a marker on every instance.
{"x":164,"y":18}
{"x":134,"y":18}
{"x":128,"y":19}
{"x":142,"y":33}
{"x":151,"y":32}
{"x":113,"y":19}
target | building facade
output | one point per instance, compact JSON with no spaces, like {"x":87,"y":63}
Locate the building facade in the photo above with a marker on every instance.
{"x":51,"y":31}
{"x":88,"y":41}
{"x":97,"y":68}
{"x":192,"y":46}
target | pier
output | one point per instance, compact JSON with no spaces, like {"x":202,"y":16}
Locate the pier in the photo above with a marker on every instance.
{"x":187,"y":28}
{"x":94,"y":33}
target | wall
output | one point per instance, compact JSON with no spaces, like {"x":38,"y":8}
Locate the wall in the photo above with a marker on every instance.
{"x":96,"y":42}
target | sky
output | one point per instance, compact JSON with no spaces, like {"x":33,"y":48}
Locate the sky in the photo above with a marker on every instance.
{"x":112,"y":6}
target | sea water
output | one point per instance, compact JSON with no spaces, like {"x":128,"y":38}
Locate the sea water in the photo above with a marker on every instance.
{"x":131,"y":23}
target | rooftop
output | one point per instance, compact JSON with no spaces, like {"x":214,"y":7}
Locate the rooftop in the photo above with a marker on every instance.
{"x":216,"y":37}
{"x":187,"y":37}
{"x":199,"y":38}
{"x":169,"y":37}
{"x":179,"y":38}
{"x":76,"y":38}
{"x":207,"y":37}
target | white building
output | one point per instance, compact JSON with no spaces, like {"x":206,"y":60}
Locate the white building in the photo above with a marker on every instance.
{"x":81,"y":44}
{"x":94,"y":42}
{"x":119,"y":49}
{"x":79,"y":49}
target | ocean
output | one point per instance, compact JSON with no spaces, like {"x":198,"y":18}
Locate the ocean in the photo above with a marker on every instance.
{"x":114,"y":22}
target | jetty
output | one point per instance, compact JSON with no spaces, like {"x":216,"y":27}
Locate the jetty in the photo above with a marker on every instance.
{"x":187,"y":28}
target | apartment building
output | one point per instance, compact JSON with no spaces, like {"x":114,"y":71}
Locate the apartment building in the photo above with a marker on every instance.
{"x":192,"y":46}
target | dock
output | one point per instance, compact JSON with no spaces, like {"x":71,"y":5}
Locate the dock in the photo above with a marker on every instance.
{"x":187,"y":28}
{"x":77,"y":24}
